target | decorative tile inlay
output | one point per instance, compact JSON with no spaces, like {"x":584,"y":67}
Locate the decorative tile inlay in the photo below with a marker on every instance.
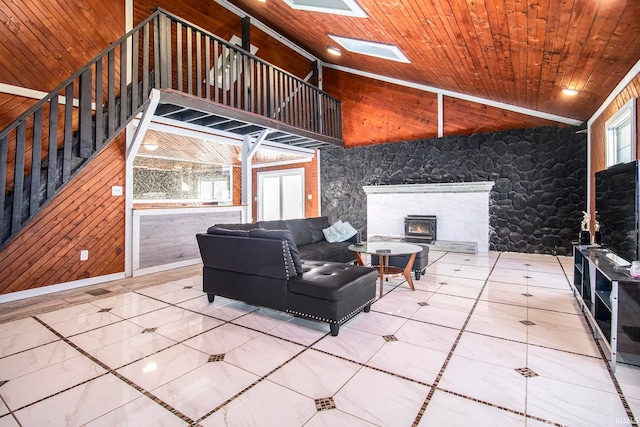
{"x":188,"y":287}
{"x":99,"y":291}
{"x":149,"y":330}
{"x":526,"y":372}
{"x":216,"y":357}
{"x":3,"y":383}
{"x":527,"y":322}
{"x":527,"y":277}
{"x":467,"y":259}
{"x":105,"y":310}
{"x":528,"y":265}
{"x":423,"y":303}
{"x":325,"y":403}
{"x":527,"y":295}
{"x":442,"y":283}
{"x":457,"y":269}
{"x":389,"y":338}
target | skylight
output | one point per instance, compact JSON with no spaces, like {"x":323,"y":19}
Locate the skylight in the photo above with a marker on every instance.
{"x":337,"y":7}
{"x":379,"y":50}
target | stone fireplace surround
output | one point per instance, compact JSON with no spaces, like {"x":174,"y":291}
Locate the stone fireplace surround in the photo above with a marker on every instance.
{"x":462,"y":210}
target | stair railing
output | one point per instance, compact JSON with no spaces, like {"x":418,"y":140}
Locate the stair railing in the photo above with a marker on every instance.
{"x":51,"y":142}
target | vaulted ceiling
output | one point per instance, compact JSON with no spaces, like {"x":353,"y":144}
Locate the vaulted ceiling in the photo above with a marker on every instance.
{"x":519,"y":52}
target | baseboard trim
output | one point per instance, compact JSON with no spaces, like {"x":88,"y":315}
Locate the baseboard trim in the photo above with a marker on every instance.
{"x":159,"y":268}
{"x":44,"y":290}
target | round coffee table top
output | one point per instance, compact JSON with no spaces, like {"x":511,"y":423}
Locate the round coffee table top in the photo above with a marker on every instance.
{"x":385,"y":248}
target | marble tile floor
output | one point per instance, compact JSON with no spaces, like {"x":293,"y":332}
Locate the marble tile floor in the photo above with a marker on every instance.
{"x":491,"y":339}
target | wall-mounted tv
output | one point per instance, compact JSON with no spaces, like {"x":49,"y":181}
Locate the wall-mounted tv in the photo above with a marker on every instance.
{"x":617,"y":209}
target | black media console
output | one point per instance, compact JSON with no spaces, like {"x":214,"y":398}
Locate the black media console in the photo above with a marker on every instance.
{"x":610,"y":299}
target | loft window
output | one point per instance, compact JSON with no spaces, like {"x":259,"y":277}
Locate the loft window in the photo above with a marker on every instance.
{"x":378,"y":50}
{"x":336,"y":7}
{"x":621,"y":135}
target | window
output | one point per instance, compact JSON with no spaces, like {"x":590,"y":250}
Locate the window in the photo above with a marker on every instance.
{"x":337,"y":7}
{"x":378,"y":50}
{"x":621,"y":135}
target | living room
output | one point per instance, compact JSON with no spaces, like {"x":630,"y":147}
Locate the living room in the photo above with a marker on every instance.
{"x":395,"y":132}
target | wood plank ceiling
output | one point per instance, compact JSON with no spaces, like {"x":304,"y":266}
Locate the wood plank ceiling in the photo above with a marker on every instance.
{"x":517,"y":52}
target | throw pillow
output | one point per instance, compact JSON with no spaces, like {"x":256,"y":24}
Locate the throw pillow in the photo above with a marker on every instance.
{"x":280,"y":235}
{"x":347,"y":231}
{"x":339,"y":232}
{"x":332,"y":234}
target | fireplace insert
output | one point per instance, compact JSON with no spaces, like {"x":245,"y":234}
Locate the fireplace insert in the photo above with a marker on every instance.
{"x":420,"y":228}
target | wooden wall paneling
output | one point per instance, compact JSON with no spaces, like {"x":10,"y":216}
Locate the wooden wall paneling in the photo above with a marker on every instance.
{"x":83,"y":216}
{"x":237,"y":186}
{"x":42,"y":43}
{"x":89,"y":228}
{"x":466,"y":117}
{"x":79,"y":219}
{"x":376,"y":112}
{"x":12,"y":106}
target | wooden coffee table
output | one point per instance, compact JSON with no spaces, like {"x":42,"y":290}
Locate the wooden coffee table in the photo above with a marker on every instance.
{"x":385,"y":250}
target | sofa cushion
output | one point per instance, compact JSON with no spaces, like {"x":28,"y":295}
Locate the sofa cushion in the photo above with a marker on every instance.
{"x":315,"y":228}
{"x":311,"y":252}
{"x":272,"y":225}
{"x":300,"y":230}
{"x":280,"y":235}
{"x":331,"y":281}
{"x":227,"y":232}
{"x":329,"y":251}
{"x":244,"y":226}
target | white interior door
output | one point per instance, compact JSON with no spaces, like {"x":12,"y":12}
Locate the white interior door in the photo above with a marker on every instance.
{"x":281,"y":195}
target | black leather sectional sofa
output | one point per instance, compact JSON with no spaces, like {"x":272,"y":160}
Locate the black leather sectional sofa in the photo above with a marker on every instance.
{"x":308,"y":236}
{"x":266,"y":267}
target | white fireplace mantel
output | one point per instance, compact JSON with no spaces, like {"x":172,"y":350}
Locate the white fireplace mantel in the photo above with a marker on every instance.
{"x":462,"y":209}
{"x":453,"y":187}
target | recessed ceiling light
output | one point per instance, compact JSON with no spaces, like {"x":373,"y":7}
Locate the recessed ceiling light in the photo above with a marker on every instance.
{"x":378,"y":50}
{"x":337,"y":7}
{"x":333,"y":50}
{"x":570,"y":92}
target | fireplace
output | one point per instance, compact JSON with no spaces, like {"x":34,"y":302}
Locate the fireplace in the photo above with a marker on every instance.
{"x":420,"y":228}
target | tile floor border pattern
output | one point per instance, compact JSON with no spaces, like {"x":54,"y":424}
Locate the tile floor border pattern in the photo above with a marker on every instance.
{"x":113,"y":372}
{"x":433,"y":387}
{"x":150,"y":395}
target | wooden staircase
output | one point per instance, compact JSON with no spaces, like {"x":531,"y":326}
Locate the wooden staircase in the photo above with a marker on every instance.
{"x":204,"y":80}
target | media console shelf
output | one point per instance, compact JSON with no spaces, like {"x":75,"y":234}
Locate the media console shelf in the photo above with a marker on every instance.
{"x":610,"y":299}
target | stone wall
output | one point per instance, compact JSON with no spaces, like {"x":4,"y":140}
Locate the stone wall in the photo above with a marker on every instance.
{"x":535,"y":205}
